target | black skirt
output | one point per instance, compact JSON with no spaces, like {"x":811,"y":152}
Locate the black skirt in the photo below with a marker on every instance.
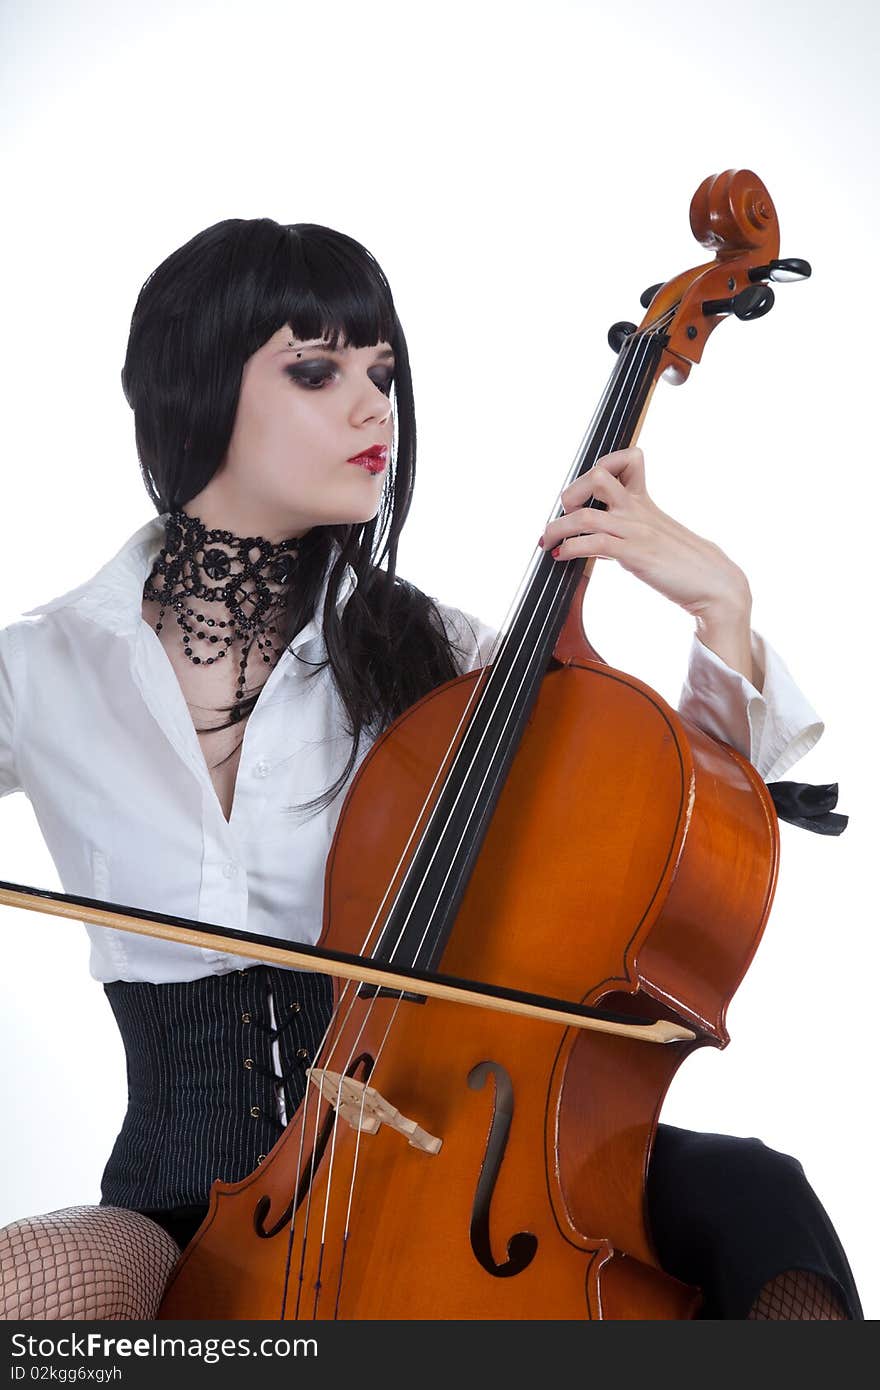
{"x":727,"y":1214}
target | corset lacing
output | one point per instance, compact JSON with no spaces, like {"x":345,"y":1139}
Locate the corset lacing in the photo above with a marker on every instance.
{"x":280,"y":1079}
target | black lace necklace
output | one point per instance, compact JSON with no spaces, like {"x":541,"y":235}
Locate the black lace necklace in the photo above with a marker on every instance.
{"x":190,"y":558}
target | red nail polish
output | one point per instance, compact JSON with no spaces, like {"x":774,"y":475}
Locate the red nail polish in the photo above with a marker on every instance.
{"x":555,"y":553}
{"x":541,"y":542}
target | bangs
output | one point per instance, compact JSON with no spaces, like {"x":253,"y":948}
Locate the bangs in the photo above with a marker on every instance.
{"x":325,"y":285}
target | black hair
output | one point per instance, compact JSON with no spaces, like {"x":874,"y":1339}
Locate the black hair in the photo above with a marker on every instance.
{"x":198,"y":318}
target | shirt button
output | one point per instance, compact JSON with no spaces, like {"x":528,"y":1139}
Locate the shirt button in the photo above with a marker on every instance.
{"x":230,"y":869}
{"x":255,"y":1111}
{"x":262,"y":768}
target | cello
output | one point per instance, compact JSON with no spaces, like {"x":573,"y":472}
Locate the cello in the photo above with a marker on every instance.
{"x":468,"y":1163}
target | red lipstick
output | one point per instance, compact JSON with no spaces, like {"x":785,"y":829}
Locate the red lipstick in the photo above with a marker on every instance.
{"x":373,"y":459}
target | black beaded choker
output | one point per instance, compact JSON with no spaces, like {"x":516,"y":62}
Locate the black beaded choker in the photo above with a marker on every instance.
{"x":191,"y":556}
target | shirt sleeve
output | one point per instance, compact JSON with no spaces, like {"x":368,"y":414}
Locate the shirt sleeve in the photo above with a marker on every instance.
{"x":9,"y":781}
{"x":772,"y":724}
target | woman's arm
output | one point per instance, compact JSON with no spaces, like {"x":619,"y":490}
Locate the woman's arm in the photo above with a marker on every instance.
{"x":737,"y":688}
{"x":629,"y":527}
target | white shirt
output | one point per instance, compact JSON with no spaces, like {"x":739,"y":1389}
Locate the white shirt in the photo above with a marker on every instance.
{"x":95,"y":730}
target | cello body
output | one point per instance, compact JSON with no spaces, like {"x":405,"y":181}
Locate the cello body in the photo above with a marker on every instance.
{"x":636,"y":867}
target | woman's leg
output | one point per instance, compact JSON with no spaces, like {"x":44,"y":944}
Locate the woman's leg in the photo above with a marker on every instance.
{"x":81,"y":1263}
{"x":799,"y":1295}
{"x":740,"y":1221}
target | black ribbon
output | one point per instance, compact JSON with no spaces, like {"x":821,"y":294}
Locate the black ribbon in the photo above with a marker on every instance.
{"x":808,"y":806}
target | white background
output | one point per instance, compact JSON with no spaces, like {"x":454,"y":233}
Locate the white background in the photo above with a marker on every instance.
{"x":521,"y":172}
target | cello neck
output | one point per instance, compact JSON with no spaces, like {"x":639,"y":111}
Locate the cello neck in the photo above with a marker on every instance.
{"x":535,"y":621}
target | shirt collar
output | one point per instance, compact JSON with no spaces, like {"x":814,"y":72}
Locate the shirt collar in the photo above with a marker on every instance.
{"x":113,"y":596}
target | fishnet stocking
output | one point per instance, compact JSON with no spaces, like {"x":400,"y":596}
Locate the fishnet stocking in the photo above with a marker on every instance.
{"x":798,"y":1295}
{"x":84,"y":1263}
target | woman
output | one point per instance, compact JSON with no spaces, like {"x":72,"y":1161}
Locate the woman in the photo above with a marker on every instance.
{"x":239,"y":655}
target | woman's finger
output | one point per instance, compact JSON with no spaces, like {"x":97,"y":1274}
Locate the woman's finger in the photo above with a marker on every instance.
{"x":598,"y":483}
{"x":628,"y":465}
{"x":602,"y":546}
{"x":586,"y":522}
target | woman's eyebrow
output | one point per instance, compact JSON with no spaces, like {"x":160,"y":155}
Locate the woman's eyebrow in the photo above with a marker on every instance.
{"x":325,"y":347}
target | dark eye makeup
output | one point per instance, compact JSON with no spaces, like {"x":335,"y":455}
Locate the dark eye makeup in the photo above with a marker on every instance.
{"x":312,"y":376}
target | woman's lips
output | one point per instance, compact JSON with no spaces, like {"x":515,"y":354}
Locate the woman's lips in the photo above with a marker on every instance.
{"x":374,"y":460}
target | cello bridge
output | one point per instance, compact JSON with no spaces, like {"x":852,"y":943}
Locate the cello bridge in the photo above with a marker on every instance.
{"x":366,"y":1110}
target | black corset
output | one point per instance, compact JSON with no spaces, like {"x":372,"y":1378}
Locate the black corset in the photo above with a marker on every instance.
{"x":202,"y":1086}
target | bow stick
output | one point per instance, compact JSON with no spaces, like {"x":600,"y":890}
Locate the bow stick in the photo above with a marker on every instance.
{"x":346,"y":966}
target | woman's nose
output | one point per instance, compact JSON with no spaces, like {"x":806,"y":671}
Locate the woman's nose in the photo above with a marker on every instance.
{"x":372,"y":403}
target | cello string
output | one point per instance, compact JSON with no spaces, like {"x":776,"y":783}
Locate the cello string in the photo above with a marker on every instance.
{"x":636,"y":363}
{"x":357,"y":1148}
{"x":635,"y":360}
{"x":560,"y":579}
{"x":380,"y":1049}
{"x":480,"y":686}
{"x":334,"y":1020}
{"x":483,"y":688}
{"x":367,"y":1013}
{"x":313,"y":1159}
{"x":611,"y":424}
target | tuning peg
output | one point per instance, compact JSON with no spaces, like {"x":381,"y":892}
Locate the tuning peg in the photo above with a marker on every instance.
{"x":618,"y":334}
{"x":647,"y":295}
{"x":751,"y":303}
{"x":782,"y":271}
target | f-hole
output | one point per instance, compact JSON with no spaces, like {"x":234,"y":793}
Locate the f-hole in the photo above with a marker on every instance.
{"x":521,"y":1247}
{"x":312,"y":1163}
